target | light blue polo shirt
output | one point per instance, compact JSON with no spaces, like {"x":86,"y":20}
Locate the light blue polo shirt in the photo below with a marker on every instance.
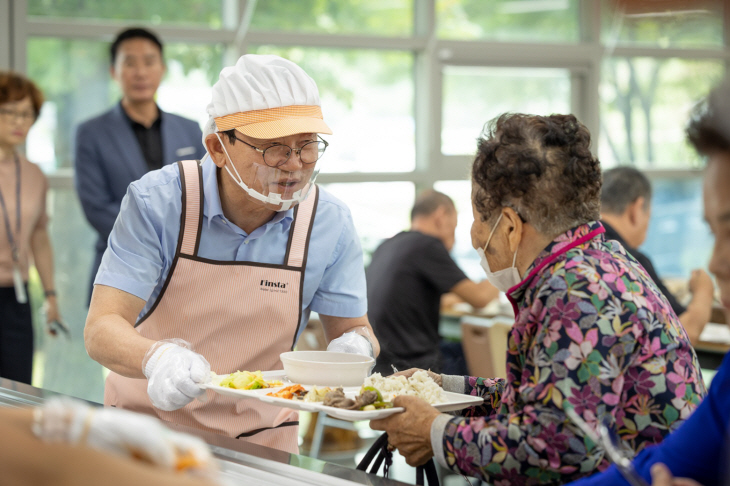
{"x":145,"y":235}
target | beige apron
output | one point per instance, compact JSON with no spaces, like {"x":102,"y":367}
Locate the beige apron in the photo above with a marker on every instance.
{"x":238,"y":315}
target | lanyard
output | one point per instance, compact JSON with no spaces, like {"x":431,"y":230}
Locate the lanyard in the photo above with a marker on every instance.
{"x":11,"y":239}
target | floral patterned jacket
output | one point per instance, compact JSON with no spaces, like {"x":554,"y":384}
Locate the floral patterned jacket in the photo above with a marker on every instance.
{"x":592,"y":333}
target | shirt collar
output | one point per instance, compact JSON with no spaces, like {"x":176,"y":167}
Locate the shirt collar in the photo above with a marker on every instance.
{"x":580,"y":236}
{"x":612,"y":234}
{"x":213,"y":208}
{"x":132,"y":123}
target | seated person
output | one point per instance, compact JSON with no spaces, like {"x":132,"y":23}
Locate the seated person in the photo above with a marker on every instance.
{"x":65,"y":441}
{"x":625,"y":213}
{"x":592,"y":333}
{"x":405,"y":280}
{"x":698,"y":450}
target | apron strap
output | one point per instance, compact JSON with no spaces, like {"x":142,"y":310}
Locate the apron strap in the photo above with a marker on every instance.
{"x":301,"y":229}
{"x":191,"y":217}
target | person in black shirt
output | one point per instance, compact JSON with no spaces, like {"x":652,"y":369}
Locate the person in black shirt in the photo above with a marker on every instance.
{"x":406,"y":278}
{"x":625,"y":213}
{"x":134,"y":137}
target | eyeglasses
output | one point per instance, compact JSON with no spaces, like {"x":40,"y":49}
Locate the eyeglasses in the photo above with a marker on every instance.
{"x":276,"y":155}
{"x":607,"y":440}
{"x":8,"y":115}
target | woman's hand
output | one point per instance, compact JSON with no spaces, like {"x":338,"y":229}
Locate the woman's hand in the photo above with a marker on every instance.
{"x":410,"y":431}
{"x":408,"y":373}
{"x":662,"y":476}
{"x":51,"y":309}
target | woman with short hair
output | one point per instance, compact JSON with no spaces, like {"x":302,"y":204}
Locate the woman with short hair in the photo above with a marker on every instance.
{"x":592,"y":332}
{"x":23,"y":233}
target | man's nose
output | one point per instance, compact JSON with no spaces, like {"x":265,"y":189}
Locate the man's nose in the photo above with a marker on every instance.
{"x":294,"y":162}
{"x":140,"y":70}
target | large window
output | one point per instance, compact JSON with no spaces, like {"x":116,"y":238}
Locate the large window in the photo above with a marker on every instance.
{"x":379,"y":210}
{"x":678,"y":239}
{"x":207,"y":13}
{"x":367,"y":102}
{"x":62,"y":364}
{"x":370,"y":17}
{"x":74,"y":76}
{"x":695,"y":24}
{"x":406,"y":85}
{"x":509,"y":20}
{"x":474,"y":95}
{"x":645,"y":105}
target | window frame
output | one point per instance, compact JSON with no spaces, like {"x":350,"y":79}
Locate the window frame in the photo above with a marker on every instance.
{"x":431,"y":54}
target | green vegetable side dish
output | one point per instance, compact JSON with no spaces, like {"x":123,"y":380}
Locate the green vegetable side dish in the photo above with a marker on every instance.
{"x":372,"y":389}
{"x":379,"y":404}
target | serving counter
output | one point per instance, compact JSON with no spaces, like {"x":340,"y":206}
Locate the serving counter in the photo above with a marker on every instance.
{"x":241,"y":462}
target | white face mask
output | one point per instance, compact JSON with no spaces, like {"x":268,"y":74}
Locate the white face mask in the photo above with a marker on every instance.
{"x":503,"y":279}
{"x":268,"y":177}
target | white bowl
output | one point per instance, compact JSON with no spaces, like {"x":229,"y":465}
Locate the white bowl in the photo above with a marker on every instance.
{"x":326,"y":368}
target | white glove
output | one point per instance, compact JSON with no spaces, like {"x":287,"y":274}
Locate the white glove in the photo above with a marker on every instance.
{"x":174,"y":374}
{"x":120,"y":432}
{"x":355,"y":342}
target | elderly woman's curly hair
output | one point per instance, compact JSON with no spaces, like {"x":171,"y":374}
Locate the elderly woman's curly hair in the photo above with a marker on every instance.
{"x":542,"y":167}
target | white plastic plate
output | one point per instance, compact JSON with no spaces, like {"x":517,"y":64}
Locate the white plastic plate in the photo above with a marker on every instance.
{"x":455,"y":401}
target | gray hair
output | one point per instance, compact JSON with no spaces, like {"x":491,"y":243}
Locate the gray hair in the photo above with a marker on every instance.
{"x":429,"y":201}
{"x":542,"y":167}
{"x":623,"y":186}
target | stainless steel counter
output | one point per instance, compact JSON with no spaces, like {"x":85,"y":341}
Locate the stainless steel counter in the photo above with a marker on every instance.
{"x":241,"y":462}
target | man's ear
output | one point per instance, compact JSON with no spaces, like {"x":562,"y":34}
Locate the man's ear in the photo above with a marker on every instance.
{"x":634,"y":209}
{"x":215,"y":149}
{"x":514,"y":227}
{"x":439,"y":217}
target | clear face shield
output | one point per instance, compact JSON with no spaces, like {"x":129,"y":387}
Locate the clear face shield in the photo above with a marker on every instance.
{"x":278,"y":189}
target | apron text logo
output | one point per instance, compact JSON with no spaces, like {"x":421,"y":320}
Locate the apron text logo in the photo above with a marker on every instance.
{"x":268,"y":286}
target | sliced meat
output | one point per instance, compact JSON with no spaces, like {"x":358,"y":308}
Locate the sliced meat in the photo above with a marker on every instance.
{"x":337,"y":398}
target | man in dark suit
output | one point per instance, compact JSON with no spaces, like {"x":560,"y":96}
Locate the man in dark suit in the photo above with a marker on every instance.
{"x":121,"y":145}
{"x":625,"y":213}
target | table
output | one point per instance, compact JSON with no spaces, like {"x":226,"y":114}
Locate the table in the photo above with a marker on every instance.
{"x":714,"y":341}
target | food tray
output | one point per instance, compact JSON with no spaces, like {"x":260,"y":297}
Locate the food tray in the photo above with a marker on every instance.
{"x":455,"y":401}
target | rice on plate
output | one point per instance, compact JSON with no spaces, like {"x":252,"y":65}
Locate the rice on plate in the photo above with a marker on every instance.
{"x":419,"y":384}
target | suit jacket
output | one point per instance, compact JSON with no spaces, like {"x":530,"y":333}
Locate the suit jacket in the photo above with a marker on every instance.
{"x":109,"y":158}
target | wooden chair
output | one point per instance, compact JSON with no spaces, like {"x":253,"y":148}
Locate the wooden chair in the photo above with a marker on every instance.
{"x":484,"y":341}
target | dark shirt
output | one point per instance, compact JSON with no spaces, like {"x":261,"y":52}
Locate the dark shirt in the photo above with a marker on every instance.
{"x":611,"y":234}
{"x":150,"y":140}
{"x":405,"y":279}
